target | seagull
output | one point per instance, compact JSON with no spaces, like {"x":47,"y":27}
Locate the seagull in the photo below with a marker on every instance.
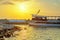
{"x":7,"y":2}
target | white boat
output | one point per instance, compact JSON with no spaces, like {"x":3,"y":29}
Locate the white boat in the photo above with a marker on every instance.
{"x":43,"y":21}
{"x":48,"y":21}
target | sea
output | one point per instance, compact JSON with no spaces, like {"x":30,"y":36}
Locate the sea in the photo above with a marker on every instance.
{"x":36,"y":33}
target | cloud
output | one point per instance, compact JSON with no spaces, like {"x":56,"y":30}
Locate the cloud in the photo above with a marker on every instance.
{"x":21,"y":0}
{"x":47,"y":6}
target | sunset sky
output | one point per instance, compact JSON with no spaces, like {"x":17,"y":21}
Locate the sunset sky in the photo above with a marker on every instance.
{"x":22,"y":9}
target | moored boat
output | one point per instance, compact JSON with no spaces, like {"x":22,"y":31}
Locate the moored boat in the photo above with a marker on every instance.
{"x":49,"y":21}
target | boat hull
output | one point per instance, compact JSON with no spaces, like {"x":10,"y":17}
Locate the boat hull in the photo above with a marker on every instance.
{"x":45,"y":25}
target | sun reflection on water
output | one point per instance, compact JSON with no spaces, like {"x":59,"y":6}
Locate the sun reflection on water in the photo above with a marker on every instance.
{"x":25,"y":32}
{"x":35,"y":33}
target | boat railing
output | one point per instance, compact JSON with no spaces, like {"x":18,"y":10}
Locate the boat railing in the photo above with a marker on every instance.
{"x":46,"y":18}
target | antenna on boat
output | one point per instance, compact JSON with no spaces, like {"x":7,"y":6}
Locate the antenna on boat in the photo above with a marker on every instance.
{"x":38,"y":11}
{"x":34,"y":15}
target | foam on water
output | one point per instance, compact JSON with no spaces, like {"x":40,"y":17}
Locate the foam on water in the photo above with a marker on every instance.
{"x":35,"y":33}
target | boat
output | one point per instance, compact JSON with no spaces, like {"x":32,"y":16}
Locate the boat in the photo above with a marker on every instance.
{"x":47,"y":21}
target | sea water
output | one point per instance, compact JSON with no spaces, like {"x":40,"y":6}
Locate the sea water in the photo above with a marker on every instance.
{"x":36,"y":33}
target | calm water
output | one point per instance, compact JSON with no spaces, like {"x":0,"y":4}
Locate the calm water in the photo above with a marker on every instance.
{"x":36,"y":33}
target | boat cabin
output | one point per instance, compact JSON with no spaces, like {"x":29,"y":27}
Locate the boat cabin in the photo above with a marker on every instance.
{"x":45,"y":18}
{"x":40,"y":18}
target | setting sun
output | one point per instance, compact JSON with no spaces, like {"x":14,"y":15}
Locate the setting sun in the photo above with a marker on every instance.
{"x":22,"y":7}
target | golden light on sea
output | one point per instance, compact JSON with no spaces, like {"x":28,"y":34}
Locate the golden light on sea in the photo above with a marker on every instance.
{"x":25,"y":33}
